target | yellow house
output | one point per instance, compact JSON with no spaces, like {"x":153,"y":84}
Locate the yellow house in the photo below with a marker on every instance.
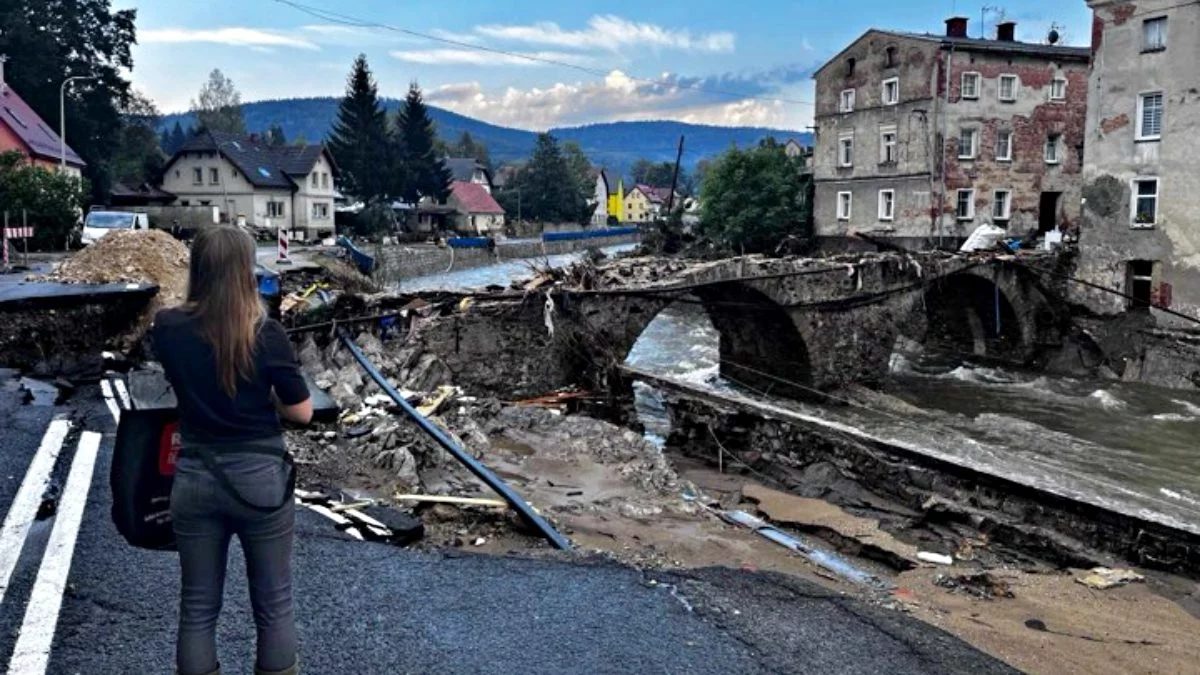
{"x":616,"y":201}
{"x":638,"y":207}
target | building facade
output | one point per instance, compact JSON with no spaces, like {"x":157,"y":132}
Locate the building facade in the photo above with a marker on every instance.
{"x":23,"y":131}
{"x":922,"y":138}
{"x":251,"y":181}
{"x":1141,"y":229}
{"x":476,"y":211}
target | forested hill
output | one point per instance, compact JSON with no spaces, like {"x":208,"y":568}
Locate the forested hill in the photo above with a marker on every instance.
{"x":615,"y":145}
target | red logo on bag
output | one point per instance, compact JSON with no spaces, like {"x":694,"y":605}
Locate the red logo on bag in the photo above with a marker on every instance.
{"x":168,"y":449}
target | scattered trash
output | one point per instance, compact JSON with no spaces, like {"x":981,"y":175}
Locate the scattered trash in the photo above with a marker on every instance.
{"x":1103,"y":578}
{"x":935,"y":558}
{"x":984,"y":237}
{"x":461,"y":501}
{"x":1040,"y":626}
{"x":433,"y":404}
{"x":979,"y":584}
{"x":480,"y":541}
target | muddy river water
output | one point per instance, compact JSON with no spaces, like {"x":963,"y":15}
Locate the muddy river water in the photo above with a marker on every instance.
{"x":1128,"y":447}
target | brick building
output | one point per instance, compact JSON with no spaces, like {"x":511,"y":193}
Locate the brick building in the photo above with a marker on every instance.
{"x":923,"y":138}
{"x":1141,"y":230}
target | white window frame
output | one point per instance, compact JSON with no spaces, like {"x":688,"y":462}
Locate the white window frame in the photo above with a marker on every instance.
{"x":1133,"y":202}
{"x":846,"y":103}
{"x":214,"y":176}
{"x":1016,"y":87}
{"x":272,"y":212}
{"x":320,"y":211}
{"x":973,"y":151}
{"x":1053,"y":141}
{"x":1061,"y":83}
{"x":197,"y":175}
{"x":884,"y":90}
{"x":883,"y":213}
{"x":1007,"y":214}
{"x":1161,"y":46}
{"x":970,"y":204}
{"x":1141,"y":115}
{"x":843,"y":160}
{"x":1007,"y":156}
{"x":316,"y":180}
{"x":848,"y":199}
{"x":883,"y":145}
{"x":978,"y":80}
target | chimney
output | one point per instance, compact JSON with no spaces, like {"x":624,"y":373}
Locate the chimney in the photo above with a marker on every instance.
{"x":956,"y":27}
{"x":1006,"y":31}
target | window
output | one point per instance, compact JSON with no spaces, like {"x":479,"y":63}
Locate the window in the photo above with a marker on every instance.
{"x":1139,"y":283}
{"x":965,"y":207}
{"x":275,"y":209}
{"x":847,"y":101}
{"x":889,"y":59}
{"x":324,"y":180}
{"x":315,"y":179}
{"x":177,"y":173}
{"x":320,"y":211}
{"x":1052,"y":143}
{"x":844,"y":202}
{"x":1004,"y":145}
{"x":970,"y":85}
{"x":850,"y":63}
{"x":184,"y":202}
{"x":887,"y":146}
{"x":1145,"y":202}
{"x":1150,"y":116}
{"x":1058,"y":89}
{"x":968,"y":143}
{"x":197,"y":176}
{"x":1154,"y":34}
{"x":846,"y":151}
{"x":891,"y":91}
{"x":214,"y":176}
{"x":887,"y":204}
{"x":205,"y":202}
{"x":1002,"y":205}
{"x":1008,"y":87}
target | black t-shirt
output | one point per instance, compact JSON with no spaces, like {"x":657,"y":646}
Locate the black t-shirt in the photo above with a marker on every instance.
{"x":207,"y":413}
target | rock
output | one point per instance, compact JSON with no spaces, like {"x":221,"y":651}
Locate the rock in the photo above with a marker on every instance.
{"x":370,"y":345}
{"x":429,"y":374}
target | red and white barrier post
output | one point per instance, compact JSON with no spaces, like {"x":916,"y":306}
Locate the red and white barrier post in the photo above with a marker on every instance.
{"x":283,"y":246}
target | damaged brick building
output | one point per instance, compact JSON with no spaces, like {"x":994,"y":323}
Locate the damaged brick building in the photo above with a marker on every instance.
{"x":922,"y":138}
{"x":1141,"y":230}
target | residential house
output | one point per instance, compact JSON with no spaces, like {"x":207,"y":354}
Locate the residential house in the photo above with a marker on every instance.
{"x":22,"y":130}
{"x":470,"y":170}
{"x":476,"y":211}
{"x":1141,"y":173}
{"x":252,"y":181}
{"x":794,"y":149}
{"x":923,"y":138}
{"x":645,"y":203}
{"x":609,"y":198}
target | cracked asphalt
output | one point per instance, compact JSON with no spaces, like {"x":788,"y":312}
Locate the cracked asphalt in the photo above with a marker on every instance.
{"x":373,"y":608}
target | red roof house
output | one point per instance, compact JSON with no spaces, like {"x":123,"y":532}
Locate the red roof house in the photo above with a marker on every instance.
{"x":477,"y":212}
{"x":21,"y":129}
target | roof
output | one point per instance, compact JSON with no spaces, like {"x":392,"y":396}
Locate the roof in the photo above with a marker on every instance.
{"x":474,"y":198}
{"x":143,"y":191}
{"x":464,"y":168}
{"x":657,"y":195}
{"x":972,"y":44}
{"x":264,"y":165}
{"x":32,"y":130}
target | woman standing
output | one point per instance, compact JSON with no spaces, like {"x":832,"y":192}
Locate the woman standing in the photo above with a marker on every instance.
{"x":234,"y":373}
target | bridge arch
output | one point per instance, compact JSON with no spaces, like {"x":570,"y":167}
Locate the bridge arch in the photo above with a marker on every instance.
{"x":982,"y":312}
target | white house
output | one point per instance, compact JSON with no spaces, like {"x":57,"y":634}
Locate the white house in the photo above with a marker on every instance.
{"x":248,"y":178}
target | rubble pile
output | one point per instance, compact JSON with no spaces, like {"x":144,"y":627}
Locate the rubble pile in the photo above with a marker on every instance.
{"x":131,"y":256}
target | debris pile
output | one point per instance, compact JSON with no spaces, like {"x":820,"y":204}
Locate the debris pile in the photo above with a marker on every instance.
{"x":131,"y":256}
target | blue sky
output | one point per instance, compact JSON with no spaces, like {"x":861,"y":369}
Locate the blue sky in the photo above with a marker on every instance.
{"x":709,"y":61}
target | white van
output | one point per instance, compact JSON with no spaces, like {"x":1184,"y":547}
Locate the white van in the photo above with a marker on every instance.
{"x":99,"y":223}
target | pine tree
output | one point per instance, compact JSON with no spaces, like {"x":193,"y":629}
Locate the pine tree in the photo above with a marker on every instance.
{"x":275,"y":135}
{"x":178,"y":138}
{"x":550,"y":194}
{"x":428,"y":173}
{"x":359,"y":141}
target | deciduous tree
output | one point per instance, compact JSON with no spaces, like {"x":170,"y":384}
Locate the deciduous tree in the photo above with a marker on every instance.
{"x":51,"y":200}
{"x":218,"y":106}
{"x":752,"y":199}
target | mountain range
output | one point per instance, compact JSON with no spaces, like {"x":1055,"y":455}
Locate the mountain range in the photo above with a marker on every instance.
{"x":614,"y":145}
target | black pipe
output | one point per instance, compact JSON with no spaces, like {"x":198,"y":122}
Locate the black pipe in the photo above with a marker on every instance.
{"x":514,"y":500}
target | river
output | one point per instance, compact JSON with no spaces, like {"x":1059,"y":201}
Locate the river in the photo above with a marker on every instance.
{"x":1123,"y":446}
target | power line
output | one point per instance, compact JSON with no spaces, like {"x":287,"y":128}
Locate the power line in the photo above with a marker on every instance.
{"x":354,"y":22}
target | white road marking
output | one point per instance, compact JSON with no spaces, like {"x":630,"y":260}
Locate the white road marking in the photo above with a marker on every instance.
{"x":335,"y":517}
{"x":32,"y":652}
{"x":106,"y":387}
{"x":29,"y":497}
{"x":123,"y":393}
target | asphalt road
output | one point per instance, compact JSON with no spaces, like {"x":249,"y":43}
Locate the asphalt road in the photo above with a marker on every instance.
{"x":373,"y":608}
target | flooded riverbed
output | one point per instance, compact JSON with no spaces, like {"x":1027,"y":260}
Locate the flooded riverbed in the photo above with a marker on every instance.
{"x":500,"y":274}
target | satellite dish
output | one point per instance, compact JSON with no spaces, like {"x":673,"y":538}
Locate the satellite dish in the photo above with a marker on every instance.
{"x":1053,"y":37}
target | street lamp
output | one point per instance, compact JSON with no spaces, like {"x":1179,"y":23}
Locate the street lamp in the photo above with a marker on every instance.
{"x":62,"y":118}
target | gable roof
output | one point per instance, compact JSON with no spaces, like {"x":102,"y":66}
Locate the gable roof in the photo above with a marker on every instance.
{"x":31,"y":129}
{"x":474,"y":198}
{"x":463,"y":168}
{"x":657,"y":195}
{"x":263,"y":165}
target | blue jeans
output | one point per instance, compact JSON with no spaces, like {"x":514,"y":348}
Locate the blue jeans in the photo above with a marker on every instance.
{"x":205,"y":518}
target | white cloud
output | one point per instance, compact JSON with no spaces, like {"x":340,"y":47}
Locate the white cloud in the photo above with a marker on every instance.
{"x":615,"y":97}
{"x":473,"y":57}
{"x":232,"y":36}
{"x":609,"y":32}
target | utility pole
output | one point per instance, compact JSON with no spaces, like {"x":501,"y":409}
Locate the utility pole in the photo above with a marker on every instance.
{"x":62,"y":115}
{"x":675,"y":178}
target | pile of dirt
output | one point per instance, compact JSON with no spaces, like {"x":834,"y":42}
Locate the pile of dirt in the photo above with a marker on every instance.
{"x":131,"y":256}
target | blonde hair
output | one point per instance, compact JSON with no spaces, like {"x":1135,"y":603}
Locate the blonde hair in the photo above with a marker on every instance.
{"x":223,"y":296}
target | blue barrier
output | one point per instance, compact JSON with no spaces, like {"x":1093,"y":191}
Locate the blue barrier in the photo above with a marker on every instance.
{"x":364,"y":262}
{"x":589,"y":234}
{"x":268,"y":281}
{"x":467,"y":242}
